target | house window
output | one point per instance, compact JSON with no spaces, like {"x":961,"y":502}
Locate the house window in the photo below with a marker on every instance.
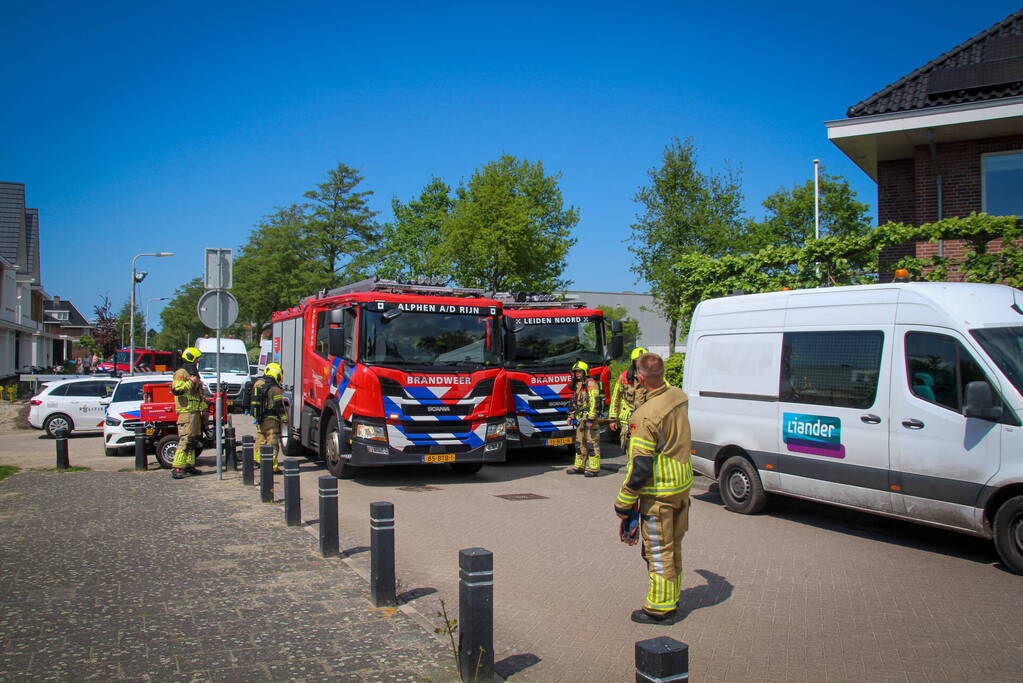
{"x":1003,"y":184}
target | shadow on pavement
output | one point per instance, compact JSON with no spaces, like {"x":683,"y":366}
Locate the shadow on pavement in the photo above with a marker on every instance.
{"x":415,"y":594}
{"x":513,"y":664}
{"x":873,"y":527}
{"x":714,"y":592}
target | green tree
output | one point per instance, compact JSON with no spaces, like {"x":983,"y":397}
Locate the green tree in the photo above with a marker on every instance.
{"x":275,"y":268}
{"x":179,"y":320}
{"x":339,"y":226}
{"x":509,"y":229}
{"x":124,"y":325}
{"x":105,"y":330}
{"x":684,"y":211}
{"x":411,"y":243}
{"x":790,"y":214}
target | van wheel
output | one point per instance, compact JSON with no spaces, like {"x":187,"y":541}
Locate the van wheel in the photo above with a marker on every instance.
{"x":740,"y":486}
{"x":331,"y":450}
{"x":1009,"y":533}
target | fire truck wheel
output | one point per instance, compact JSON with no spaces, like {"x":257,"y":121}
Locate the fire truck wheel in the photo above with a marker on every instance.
{"x":165,"y":449}
{"x":466,"y":467}
{"x":331,"y":450}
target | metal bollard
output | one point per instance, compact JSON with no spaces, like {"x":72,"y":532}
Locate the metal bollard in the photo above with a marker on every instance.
{"x":661,"y":659}
{"x":292,"y":494}
{"x":141,"y":461}
{"x":330,"y":543}
{"x":63,"y":460}
{"x":230,"y":457}
{"x":381,"y":563}
{"x":266,"y":474}
{"x":476,"y":614}
{"x":248,"y":464}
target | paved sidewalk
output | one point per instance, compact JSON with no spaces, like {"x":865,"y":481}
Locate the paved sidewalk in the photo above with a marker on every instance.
{"x":124,"y":576}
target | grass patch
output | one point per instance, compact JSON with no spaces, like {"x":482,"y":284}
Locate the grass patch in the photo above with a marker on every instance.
{"x":8,"y":470}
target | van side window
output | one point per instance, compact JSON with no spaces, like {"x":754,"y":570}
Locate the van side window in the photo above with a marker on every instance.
{"x":839,"y":369}
{"x":939,"y":367}
{"x":322,"y":325}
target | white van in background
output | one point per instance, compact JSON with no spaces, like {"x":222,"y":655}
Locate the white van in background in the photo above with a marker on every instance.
{"x":234,"y":368}
{"x":900,"y":399}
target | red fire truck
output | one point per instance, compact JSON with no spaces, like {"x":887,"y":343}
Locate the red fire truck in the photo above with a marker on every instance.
{"x":550,"y":337}
{"x":382,"y":372}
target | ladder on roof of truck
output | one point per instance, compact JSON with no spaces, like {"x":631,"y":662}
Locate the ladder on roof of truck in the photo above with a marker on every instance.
{"x":534,"y":300}
{"x":434,"y":287}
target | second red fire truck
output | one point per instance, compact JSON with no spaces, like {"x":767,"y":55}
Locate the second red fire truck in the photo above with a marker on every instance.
{"x":382,"y":372}
{"x":551,"y":336}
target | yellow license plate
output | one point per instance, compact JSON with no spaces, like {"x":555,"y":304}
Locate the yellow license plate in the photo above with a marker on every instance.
{"x":564,"y":441}
{"x":439,"y":457}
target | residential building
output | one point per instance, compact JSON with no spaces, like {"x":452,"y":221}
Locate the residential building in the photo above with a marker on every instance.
{"x":65,"y":325}
{"x":22,"y":341}
{"x":947,"y":139}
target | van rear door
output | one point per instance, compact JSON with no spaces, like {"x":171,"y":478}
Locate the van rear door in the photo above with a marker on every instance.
{"x":941,"y":458}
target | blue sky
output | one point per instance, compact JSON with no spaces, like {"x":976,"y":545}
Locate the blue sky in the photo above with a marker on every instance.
{"x":142,"y":127}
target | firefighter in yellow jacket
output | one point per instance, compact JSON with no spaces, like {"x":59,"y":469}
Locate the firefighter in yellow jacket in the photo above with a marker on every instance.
{"x":585,"y":408}
{"x":658,"y":479}
{"x":268,"y":410}
{"x":627,"y":395}
{"x":187,"y":389}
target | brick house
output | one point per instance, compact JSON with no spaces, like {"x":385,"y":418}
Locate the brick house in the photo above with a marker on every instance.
{"x":947,"y":139}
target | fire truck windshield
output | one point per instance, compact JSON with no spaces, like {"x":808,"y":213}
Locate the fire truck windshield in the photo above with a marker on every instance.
{"x":559,"y":344}
{"x":429,"y":339}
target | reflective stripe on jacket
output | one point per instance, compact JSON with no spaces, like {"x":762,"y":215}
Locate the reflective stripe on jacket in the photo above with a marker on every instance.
{"x":187,"y":396}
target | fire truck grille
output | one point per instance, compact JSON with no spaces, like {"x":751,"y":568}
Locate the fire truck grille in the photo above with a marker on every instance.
{"x":424,"y":450}
{"x":458,"y":410}
{"x":445,"y":427}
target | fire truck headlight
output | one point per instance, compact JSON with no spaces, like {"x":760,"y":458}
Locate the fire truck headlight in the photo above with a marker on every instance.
{"x":373,"y":432}
{"x":495,"y":430}
{"x":377,"y":450}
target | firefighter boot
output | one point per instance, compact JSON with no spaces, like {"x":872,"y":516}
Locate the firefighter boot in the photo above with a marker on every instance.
{"x":193,"y":471}
{"x":178,"y":473}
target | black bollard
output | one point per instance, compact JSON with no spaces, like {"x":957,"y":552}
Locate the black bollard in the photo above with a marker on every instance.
{"x":330,"y":543}
{"x":292,"y":494}
{"x":661,"y":659}
{"x":230,"y":457}
{"x":248,"y":464}
{"x":63,"y":460}
{"x":266,"y":474}
{"x":141,"y":461}
{"x":476,"y":614}
{"x":381,"y":563}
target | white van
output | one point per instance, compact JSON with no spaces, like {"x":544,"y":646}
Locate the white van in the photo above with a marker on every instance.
{"x":234,"y":368}
{"x":901,"y":399}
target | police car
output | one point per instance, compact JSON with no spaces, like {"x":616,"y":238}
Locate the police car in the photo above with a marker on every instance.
{"x":123,"y":413}
{"x":70,"y":405}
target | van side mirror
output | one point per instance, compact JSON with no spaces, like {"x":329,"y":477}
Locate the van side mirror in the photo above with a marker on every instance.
{"x":336,"y":342}
{"x":980,"y":402}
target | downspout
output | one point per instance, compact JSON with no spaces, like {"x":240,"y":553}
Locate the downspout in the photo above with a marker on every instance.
{"x":937,"y":184}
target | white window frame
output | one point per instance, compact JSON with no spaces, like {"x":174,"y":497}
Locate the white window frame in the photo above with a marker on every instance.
{"x":983,"y":173}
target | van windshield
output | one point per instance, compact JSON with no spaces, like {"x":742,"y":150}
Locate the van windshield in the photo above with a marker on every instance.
{"x":1005,"y":346}
{"x":229,"y":362}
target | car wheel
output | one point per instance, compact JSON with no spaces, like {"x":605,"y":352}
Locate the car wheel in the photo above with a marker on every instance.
{"x":740,"y":486}
{"x":331,"y":450}
{"x":165,"y":450}
{"x":56,"y":423}
{"x":466,"y":467}
{"x":1009,"y":533}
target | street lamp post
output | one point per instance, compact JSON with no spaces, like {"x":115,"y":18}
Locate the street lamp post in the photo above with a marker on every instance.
{"x":131,"y":315}
{"x":161,"y":298}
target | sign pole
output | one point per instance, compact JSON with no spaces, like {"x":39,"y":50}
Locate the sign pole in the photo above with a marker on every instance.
{"x":216,"y":397}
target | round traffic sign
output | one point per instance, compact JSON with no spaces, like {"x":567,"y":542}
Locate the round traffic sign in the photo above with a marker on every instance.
{"x":218,"y":309}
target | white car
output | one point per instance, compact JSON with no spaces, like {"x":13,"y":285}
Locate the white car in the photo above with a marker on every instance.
{"x":70,"y":405}
{"x":123,"y":412}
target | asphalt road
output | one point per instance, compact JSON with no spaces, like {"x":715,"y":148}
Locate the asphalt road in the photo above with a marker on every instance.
{"x":803,"y":592}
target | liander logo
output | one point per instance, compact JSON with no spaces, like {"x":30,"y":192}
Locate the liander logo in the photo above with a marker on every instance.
{"x":813,"y":434}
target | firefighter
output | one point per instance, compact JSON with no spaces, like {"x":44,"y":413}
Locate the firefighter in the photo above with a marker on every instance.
{"x":187,"y":389}
{"x":657,"y":481}
{"x":268,"y":410}
{"x":626,"y":396}
{"x":586,"y":406}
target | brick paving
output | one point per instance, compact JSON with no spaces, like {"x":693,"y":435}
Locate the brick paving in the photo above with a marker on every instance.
{"x":805,"y":592}
{"x":118,"y":576}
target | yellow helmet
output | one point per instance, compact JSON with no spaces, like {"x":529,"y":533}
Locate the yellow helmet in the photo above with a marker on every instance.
{"x":637,"y":352}
{"x":580,"y":365}
{"x":191,"y":354}
{"x":274,"y":370}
